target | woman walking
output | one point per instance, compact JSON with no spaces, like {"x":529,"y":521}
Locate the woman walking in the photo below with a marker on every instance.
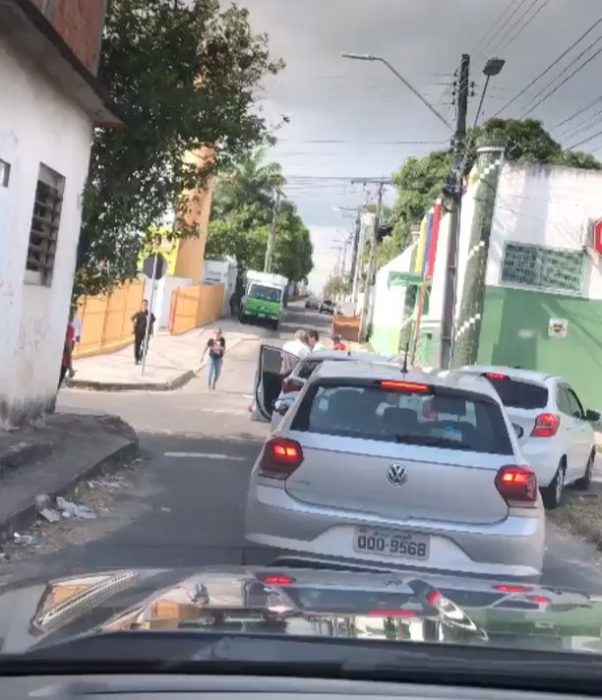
{"x":216,"y":347}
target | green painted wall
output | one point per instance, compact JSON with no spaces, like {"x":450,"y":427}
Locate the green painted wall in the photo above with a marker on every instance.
{"x":385,"y":339}
{"x":514,"y":331}
{"x":429,"y":348}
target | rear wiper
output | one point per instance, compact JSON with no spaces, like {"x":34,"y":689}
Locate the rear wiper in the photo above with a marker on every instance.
{"x":431,"y":441}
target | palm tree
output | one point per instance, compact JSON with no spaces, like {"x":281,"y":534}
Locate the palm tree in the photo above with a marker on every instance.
{"x":250,"y":181}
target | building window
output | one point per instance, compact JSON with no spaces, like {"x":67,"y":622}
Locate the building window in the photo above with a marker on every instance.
{"x":44,"y":230}
{"x":549,"y":269}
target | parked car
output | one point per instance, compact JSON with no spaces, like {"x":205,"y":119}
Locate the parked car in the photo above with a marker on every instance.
{"x":327,"y":307}
{"x":555,"y":432}
{"x":312,"y":302}
{"x":377,"y":468}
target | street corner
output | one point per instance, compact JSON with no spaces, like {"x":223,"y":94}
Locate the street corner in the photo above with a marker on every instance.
{"x":48,"y":460}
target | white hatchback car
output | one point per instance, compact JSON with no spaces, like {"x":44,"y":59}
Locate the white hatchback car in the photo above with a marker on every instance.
{"x":382,"y":469}
{"x":555,"y":432}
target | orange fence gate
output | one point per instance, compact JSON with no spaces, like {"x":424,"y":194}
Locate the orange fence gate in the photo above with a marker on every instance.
{"x":192,"y":307}
{"x":106,"y":320}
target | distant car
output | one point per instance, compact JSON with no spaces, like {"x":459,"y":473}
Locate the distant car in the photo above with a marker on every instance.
{"x":375,"y":468}
{"x":555,"y":432}
{"x":327,"y":307}
{"x":267,"y":407}
{"x":312,"y":303}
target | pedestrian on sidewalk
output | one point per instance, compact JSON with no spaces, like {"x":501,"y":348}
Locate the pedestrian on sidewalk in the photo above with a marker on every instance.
{"x":313,"y":338}
{"x":216,"y":347}
{"x":140,"y":319}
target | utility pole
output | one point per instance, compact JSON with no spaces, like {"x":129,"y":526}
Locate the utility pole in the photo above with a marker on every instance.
{"x":355,"y":254}
{"x":371,"y":265}
{"x":457,"y":181}
{"x":269,"y":252}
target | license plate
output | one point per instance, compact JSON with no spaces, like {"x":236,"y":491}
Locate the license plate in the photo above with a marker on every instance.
{"x":391,"y":543}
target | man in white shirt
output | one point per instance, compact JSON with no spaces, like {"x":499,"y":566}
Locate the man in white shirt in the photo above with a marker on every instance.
{"x":313,"y":338}
{"x":298,"y":347}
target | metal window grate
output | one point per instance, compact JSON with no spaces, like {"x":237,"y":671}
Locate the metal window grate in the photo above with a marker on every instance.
{"x":45,"y":222}
{"x":549,"y":269}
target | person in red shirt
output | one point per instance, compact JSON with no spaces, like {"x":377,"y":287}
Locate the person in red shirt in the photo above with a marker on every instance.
{"x":338,"y":344}
{"x":67,"y":353}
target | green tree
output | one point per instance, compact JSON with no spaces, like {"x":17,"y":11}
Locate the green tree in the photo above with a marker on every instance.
{"x":249,"y":179}
{"x":242,"y":219}
{"x":421,"y":180}
{"x":182,"y":73}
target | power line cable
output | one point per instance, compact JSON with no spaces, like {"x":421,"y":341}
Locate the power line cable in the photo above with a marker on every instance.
{"x":586,"y":140}
{"x":526,"y":24}
{"x":514,"y":25}
{"x":549,"y":68}
{"x":578,"y":112}
{"x":563,"y":82}
{"x":483,"y":40}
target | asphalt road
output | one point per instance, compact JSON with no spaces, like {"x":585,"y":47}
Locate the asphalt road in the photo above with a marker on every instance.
{"x":183,"y":505}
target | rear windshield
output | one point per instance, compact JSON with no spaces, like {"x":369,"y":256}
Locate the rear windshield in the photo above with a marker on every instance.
{"x":515,"y":394}
{"x":259,"y":291}
{"x":448,"y":419}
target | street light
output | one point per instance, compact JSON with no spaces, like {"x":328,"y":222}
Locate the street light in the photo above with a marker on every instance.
{"x":425,"y":102}
{"x":492,"y":68}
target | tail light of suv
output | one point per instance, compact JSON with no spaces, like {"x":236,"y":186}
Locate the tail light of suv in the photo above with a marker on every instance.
{"x":517,"y":486}
{"x":546,"y":425}
{"x":280,"y":458}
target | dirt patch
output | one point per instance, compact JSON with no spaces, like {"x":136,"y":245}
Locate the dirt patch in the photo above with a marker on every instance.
{"x":347,"y":327}
{"x":581,"y":515}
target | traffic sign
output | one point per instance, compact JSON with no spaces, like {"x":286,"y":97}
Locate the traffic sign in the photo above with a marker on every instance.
{"x":159,"y":266}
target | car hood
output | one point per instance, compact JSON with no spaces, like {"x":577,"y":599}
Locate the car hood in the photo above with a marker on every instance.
{"x":388,"y":606}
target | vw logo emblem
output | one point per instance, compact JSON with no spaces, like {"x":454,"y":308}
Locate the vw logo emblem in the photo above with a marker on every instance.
{"x":397,"y":474}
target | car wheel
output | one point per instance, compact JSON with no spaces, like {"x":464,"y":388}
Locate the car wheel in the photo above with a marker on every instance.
{"x":586,"y":480}
{"x":552,"y":495}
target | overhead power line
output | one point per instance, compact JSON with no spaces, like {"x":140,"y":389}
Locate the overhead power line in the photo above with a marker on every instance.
{"x":527,"y":23}
{"x":580,"y":111}
{"x":563,"y":82}
{"x":586,"y":140}
{"x":516,"y":25}
{"x":549,"y":68}
{"x":484,"y":39}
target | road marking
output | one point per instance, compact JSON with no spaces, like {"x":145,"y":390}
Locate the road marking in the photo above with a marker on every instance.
{"x":204,"y":455}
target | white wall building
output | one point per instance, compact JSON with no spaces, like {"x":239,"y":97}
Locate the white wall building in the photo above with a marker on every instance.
{"x":50,"y":105}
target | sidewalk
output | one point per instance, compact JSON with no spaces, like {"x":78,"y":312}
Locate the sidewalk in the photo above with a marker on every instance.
{"x":171,"y":362}
{"x":53,"y":456}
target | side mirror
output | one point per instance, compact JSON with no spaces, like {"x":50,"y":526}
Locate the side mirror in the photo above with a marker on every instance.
{"x":592,"y":416}
{"x":518,"y":430}
{"x":281,"y":407}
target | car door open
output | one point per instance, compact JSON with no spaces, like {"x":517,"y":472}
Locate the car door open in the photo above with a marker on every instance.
{"x":274,"y":367}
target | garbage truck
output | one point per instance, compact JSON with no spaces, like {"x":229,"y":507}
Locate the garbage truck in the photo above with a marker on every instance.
{"x":264,"y":299}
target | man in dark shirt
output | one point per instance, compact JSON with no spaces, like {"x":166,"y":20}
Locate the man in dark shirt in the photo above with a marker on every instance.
{"x":140,"y":320}
{"x":216,"y":347}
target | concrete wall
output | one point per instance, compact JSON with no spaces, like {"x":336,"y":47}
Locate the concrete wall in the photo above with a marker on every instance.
{"x":551,"y":207}
{"x":37,"y":125}
{"x":80,"y":23}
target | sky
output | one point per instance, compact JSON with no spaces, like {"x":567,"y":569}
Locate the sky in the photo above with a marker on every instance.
{"x":352,"y":120}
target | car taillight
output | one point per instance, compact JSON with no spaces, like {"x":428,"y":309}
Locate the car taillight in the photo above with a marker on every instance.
{"x":280,"y":458}
{"x":289,"y":385}
{"x":512,"y":588}
{"x":546,"y":425}
{"x":278,"y":580}
{"x":495,"y":376}
{"x":409,"y":387}
{"x":540,"y":599}
{"x":517,"y":485}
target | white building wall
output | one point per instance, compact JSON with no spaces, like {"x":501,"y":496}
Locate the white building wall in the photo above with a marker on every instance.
{"x":37,"y":125}
{"x":548,"y":206}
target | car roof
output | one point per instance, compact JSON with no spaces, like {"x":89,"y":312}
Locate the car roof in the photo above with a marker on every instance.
{"x":528,"y":375}
{"x":337,"y":356}
{"x":446,"y":378}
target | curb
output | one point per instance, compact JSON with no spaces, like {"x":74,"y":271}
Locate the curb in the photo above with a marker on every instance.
{"x":22,"y":453}
{"x":26,"y":517}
